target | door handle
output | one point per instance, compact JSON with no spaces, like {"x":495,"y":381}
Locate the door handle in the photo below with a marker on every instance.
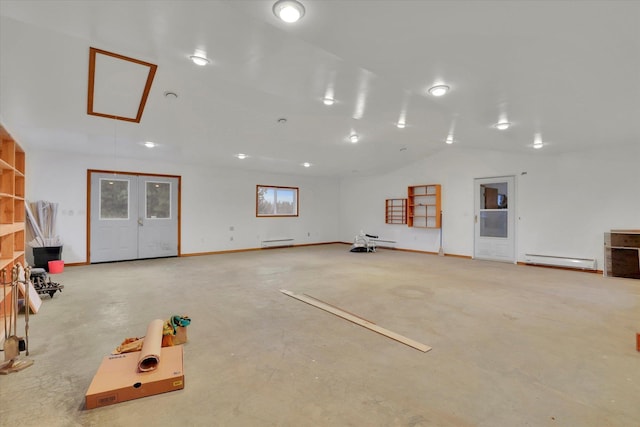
{"x":140,"y":223}
{"x":475,"y":218}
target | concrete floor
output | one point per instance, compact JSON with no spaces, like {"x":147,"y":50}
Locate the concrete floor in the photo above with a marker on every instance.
{"x":512,"y":345}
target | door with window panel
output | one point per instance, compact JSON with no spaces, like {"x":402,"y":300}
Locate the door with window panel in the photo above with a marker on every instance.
{"x":133,"y":217}
{"x":158,"y":217}
{"x":494,"y":219}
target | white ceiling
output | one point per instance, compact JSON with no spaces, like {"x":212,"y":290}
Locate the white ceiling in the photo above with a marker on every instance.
{"x":569,"y":70}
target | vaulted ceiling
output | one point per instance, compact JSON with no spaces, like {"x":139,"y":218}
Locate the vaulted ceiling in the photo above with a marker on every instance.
{"x":568,"y":71}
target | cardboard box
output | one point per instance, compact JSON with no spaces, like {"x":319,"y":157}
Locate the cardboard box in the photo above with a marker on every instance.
{"x":118,"y":379}
{"x":181,"y":335}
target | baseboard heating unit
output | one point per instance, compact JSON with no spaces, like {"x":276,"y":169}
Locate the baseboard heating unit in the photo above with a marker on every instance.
{"x":390,"y":244}
{"x":277,"y":243}
{"x":559,"y":261}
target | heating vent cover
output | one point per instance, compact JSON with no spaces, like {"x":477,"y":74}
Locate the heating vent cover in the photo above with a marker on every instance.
{"x":558,"y":261}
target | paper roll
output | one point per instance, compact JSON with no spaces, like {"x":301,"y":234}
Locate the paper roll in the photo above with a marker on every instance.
{"x":150,"y":353}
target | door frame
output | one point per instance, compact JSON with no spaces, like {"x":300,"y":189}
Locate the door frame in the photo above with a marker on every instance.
{"x":513,"y":198}
{"x":92,"y":171}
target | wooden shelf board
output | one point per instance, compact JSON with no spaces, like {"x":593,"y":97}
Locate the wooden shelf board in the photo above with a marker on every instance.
{"x":6,"y":229}
{"x":5,"y":165}
{"x":6,"y":262}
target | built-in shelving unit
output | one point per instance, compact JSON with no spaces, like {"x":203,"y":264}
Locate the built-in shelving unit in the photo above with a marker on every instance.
{"x":395,"y":211}
{"x":12,"y":212}
{"x":424,"y":206}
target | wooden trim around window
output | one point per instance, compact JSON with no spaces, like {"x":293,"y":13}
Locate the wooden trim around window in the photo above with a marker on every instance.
{"x":276,"y":215}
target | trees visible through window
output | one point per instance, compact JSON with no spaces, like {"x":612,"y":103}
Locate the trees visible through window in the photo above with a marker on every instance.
{"x":158,"y":200}
{"x":276,"y":201}
{"x":114,"y":199}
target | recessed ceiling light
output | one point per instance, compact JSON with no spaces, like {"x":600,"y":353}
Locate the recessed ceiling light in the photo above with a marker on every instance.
{"x":149,"y":144}
{"x":354,"y":138}
{"x":282,"y":120}
{"x":438,"y":90}
{"x":328,"y":101}
{"x":241,"y":156}
{"x":288,"y":10}
{"x":200,"y":60}
{"x":537,"y":141}
{"x":170,"y":95}
{"x":306,"y":164}
{"x":401,"y":125}
{"x":502,"y":125}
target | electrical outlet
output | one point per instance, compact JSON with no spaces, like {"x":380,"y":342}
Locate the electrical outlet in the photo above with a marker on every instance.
{"x":231,"y":239}
{"x":231,"y":228}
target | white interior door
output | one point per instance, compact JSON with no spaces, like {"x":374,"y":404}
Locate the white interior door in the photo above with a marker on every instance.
{"x":114,"y":217}
{"x":494,"y":230}
{"x":133,"y":217}
{"x":158,"y":217}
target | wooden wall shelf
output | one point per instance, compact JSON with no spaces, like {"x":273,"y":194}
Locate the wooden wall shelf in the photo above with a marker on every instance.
{"x":395,"y":211}
{"x":424,"y":206}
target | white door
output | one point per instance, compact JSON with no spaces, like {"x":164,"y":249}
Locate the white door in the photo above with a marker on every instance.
{"x":157,"y":217}
{"x":494,"y":219}
{"x":133,"y":217}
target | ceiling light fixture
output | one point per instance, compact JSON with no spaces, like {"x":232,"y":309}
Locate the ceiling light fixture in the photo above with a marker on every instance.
{"x":288,"y":10}
{"x":354,"y":138}
{"x":502,"y":125}
{"x":438,"y":90}
{"x":306,"y":164}
{"x":149,"y":144}
{"x":400,"y":125}
{"x":537,"y":141}
{"x":241,"y":156}
{"x":200,"y":60}
{"x":449,"y":139}
{"x":328,"y":101}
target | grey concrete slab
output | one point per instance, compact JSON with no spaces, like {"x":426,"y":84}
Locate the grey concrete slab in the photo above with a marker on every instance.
{"x":512,"y":345}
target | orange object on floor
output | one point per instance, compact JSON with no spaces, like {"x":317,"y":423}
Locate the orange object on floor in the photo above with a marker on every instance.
{"x":638,"y":341}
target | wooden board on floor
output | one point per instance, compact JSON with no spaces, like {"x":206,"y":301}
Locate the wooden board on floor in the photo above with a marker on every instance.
{"x":34,"y":299}
{"x":357,"y":320}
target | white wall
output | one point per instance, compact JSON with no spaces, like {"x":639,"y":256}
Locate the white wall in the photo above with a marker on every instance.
{"x":213,"y":200}
{"x":564,"y":203}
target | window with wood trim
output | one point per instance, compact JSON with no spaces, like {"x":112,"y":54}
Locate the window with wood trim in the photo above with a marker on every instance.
{"x":276,"y":201}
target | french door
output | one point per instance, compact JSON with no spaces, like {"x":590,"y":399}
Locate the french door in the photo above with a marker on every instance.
{"x":132,"y":216}
{"x":494,"y":219}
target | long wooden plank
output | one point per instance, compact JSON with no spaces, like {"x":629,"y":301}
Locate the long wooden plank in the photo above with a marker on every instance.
{"x":357,"y":320}
{"x":338,"y":308}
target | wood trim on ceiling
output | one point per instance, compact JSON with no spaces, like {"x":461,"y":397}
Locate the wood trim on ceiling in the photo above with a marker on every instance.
{"x":92,"y":72}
